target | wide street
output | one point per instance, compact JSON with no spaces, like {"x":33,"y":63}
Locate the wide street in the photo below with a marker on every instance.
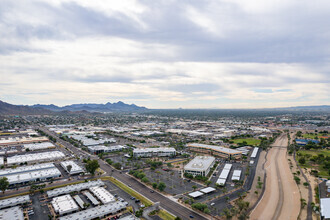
{"x":166,"y":203}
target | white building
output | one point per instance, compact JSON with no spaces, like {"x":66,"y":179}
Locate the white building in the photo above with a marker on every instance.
{"x":102,"y":194}
{"x":38,"y":146}
{"x":200,"y":165}
{"x":236,"y":175}
{"x":18,"y":200}
{"x":154,"y":152}
{"x":39,"y":175}
{"x":105,"y":149}
{"x":64,"y":204}
{"x":1,"y":161}
{"x":44,"y":156}
{"x":75,"y":168}
{"x":224,"y":174}
{"x":13,"y":213}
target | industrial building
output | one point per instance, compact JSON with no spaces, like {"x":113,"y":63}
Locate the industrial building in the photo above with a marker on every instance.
{"x":24,"y":169}
{"x":31,"y":176}
{"x":73,"y":188}
{"x":38,"y":146}
{"x":13,"y":213}
{"x":75,"y":168}
{"x":91,"y":198}
{"x":5,"y":203}
{"x":105,"y":149}
{"x":200,"y":165}
{"x":64,"y":205}
{"x":97,"y":212}
{"x":215,"y":150}
{"x":224,"y":174}
{"x":102,"y":194}
{"x":37,"y":157}
{"x":154,"y":152}
{"x":92,"y":142}
{"x":21,"y":140}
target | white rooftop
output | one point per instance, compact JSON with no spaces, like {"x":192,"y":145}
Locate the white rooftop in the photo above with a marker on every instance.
{"x":64,"y":204}
{"x":33,"y":175}
{"x":102,"y":194}
{"x":34,"y":157}
{"x":38,"y":146}
{"x":13,"y":213}
{"x":325,"y":207}
{"x":200,"y":163}
{"x":207,"y":190}
{"x":75,"y":168}
{"x":74,"y":187}
{"x":159,"y":149}
{"x":216,"y":148}
{"x":14,"y":201}
{"x":95,"y":212}
{"x":24,"y":169}
{"x":196,"y":194}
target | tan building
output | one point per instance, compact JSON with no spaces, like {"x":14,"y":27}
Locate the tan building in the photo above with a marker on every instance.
{"x":217,"y":151}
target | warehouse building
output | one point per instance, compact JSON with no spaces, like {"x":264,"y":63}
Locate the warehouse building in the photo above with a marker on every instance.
{"x":5,"y":203}
{"x":31,"y":176}
{"x":13,"y":213}
{"x":215,"y":150}
{"x":97,"y":212}
{"x":75,"y":168}
{"x":21,"y":140}
{"x":38,"y":146}
{"x":102,"y":194}
{"x":154,"y":152}
{"x":24,"y":169}
{"x":105,"y":149}
{"x":73,"y":188}
{"x":37,"y":157}
{"x":200,"y":165}
{"x":91,"y":198}
{"x":64,"y":205}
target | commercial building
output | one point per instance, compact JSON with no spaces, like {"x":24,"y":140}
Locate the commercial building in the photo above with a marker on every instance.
{"x":1,"y":161}
{"x":102,"y":194}
{"x":324,"y":206}
{"x":37,"y":157}
{"x":64,"y":205}
{"x":4,"y":203}
{"x":31,"y":176}
{"x":91,"y":198}
{"x":38,"y":146}
{"x":97,"y":212}
{"x":215,"y":150}
{"x":24,"y":169}
{"x":105,"y":149}
{"x":154,"y":152}
{"x":21,"y":140}
{"x":75,"y":168}
{"x":92,"y":142}
{"x":13,"y":213}
{"x":79,"y":201}
{"x":73,"y":188}
{"x":200,"y":165}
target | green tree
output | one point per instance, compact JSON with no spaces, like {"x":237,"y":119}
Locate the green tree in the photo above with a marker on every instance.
{"x":302,"y":160}
{"x":117,"y":165}
{"x":145,"y":179}
{"x":92,"y":166}
{"x":161,"y":186}
{"x":4,"y":184}
{"x":154,"y":185}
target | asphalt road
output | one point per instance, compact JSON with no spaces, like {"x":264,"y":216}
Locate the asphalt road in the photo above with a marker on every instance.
{"x":166,"y":203}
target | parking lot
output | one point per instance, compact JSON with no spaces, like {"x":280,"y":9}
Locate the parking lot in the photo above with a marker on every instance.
{"x":174,"y":183}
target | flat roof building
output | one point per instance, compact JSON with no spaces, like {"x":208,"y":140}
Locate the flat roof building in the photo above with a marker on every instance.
{"x":154,"y":152}
{"x":1,"y":161}
{"x":24,"y":169}
{"x":74,"y":187}
{"x":21,"y":140}
{"x":254,"y":152}
{"x":91,"y":198}
{"x":105,"y":149}
{"x":30,"y":176}
{"x":64,"y":205}
{"x":215,"y":150}
{"x":224,"y":174}
{"x":18,"y":200}
{"x":97,"y":212}
{"x":44,"y":156}
{"x":38,"y":146}
{"x":13,"y":213}
{"x":75,"y":168}
{"x":200,"y":165}
{"x":102,"y":194}
{"x":236,"y":175}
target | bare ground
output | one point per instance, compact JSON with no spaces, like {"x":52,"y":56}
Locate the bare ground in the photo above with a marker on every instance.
{"x":281,"y":199}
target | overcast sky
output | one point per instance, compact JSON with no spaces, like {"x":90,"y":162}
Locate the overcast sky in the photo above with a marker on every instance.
{"x":165,"y":53}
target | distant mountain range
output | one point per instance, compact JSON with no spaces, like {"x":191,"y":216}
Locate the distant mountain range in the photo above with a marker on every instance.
{"x":108,"y":107}
{"x":9,"y":109}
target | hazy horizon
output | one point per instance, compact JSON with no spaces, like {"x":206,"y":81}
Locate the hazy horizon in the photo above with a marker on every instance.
{"x":166,"y":54}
